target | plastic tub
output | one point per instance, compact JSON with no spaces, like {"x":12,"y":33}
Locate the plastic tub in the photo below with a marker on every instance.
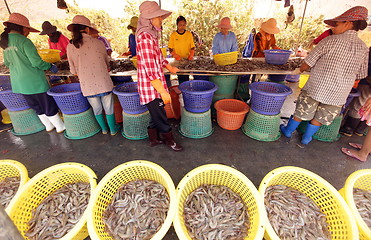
{"x":69,"y":98}
{"x":277,"y":56}
{"x":12,"y":101}
{"x":218,"y":174}
{"x":25,"y":122}
{"x":113,"y":180}
{"x":44,"y":184}
{"x":338,"y":215}
{"x":227,"y":84}
{"x":50,"y":55}
{"x":231,"y":113}
{"x":292,"y":78}
{"x":129,"y":98}
{"x":226,"y":58}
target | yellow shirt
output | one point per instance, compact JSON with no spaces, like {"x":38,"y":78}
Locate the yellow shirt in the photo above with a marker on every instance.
{"x":181,"y":43}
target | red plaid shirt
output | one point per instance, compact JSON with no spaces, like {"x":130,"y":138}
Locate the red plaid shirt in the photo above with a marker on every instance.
{"x":150,"y":67}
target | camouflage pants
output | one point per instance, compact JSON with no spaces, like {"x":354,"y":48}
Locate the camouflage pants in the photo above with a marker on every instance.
{"x":307,"y":109}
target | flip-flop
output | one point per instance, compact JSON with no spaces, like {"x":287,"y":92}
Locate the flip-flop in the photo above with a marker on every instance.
{"x":347,"y":152}
{"x":356,"y":145}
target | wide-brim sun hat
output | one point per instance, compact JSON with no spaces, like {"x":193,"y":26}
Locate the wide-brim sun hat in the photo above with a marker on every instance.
{"x":151,"y":9}
{"x":353,"y":14}
{"x":93,"y":27}
{"x":225,"y":23}
{"x":270,"y":26}
{"x":81,"y":20}
{"x":133,"y":22}
{"x":20,"y":20}
{"x":48,"y":28}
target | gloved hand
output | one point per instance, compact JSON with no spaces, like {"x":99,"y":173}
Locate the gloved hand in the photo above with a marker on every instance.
{"x":172,"y":69}
{"x":53,"y":68}
{"x":165,"y":96}
{"x":176,"y":56}
{"x":296,"y":71}
{"x":191,"y":54}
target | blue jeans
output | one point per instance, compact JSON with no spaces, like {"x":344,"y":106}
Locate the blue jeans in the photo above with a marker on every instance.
{"x":100,"y":103}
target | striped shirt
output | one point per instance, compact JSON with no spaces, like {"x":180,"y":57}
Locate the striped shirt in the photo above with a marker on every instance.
{"x":336,"y":63}
{"x":150,"y":67}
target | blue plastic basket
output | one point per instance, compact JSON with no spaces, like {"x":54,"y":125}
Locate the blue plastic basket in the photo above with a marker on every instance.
{"x":128,"y":96}
{"x":69,"y":98}
{"x":197,"y":95}
{"x":4,"y":79}
{"x":277,"y":56}
{"x":292,"y":78}
{"x":277,"y":77}
{"x":267,"y":98}
{"x":12,"y":101}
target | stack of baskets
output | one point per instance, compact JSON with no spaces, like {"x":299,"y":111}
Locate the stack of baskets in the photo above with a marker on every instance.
{"x":135,"y":117}
{"x":24,"y":119}
{"x":196,"y":114}
{"x":78,"y":116}
{"x":263,"y":121}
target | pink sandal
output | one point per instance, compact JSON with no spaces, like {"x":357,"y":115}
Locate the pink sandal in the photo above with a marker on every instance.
{"x":347,"y":152}
{"x":356,"y":145}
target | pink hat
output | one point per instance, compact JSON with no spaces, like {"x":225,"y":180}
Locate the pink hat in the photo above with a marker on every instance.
{"x":225,"y":23}
{"x":270,"y":26}
{"x":353,"y":14}
{"x":81,"y":20}
{"x":151,"y":9}
{"x":21,"y":20}
{"x":93,"y":27}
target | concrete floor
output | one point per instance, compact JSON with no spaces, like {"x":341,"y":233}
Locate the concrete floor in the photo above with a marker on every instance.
{"x":253,"y":158}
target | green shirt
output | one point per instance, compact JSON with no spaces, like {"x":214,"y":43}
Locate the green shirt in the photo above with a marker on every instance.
{"x":26,"y":67}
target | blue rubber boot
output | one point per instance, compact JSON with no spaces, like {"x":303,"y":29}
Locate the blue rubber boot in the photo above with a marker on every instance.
{"x":309,"y":132}
{"x":291,"y":126}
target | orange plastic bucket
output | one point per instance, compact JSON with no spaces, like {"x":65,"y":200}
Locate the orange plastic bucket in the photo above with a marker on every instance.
{"x":231,"y":113}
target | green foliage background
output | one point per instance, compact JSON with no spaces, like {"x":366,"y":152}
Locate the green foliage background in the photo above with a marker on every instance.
{"x":202,"y":17}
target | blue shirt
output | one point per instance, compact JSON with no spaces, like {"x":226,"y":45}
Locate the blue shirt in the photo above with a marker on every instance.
{"x":132,"y":45}
{"x":224,"y":43}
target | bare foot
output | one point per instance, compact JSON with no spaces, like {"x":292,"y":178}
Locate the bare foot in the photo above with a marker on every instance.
{"x":354,"y":154}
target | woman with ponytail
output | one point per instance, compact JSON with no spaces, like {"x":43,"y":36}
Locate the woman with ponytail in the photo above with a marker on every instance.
{"x":27,"y":70}
{"x":88,"y":59}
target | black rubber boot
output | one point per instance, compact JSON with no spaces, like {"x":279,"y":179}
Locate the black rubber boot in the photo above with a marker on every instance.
{"x":350,"y":124}
{"x":360,"y":129}
{"x":169,"y":141}
{"x":153,"y":137}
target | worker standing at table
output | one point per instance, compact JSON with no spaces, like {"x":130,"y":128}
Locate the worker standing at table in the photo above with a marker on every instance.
{"x":56,"y":39}
{"x":27,"y":70}
{"x":181,"y":44}
{"x":335,"y":64}
{"x":265,"y":39}
{"x":224,"y":41}
{"x":151,"y":79}
{"x":132,"y":43}
{"x":88,"y":59}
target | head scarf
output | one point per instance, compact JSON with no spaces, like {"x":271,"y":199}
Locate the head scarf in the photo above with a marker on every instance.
{"x":145,"y":25}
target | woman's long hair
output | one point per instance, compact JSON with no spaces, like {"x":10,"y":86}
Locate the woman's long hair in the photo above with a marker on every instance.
{"x":54,"y":38}
{"x":77,"y":31}
{"x":4,"y":37}
{"x":359,"y":25}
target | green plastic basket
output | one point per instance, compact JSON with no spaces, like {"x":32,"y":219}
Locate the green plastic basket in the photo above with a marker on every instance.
{"x":80,"y":125}
{"x":226,"y":84}
{"x":135,"y":125}
{"x":261,"y":127}
{"x":25,"y":122}
{"x":243,"y":91}
{"x":196,"y":125}
{"x":329,"y":133}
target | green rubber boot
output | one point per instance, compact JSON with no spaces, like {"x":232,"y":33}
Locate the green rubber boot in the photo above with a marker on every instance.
{"x":114,"y":128}
{"x":102,"y":123}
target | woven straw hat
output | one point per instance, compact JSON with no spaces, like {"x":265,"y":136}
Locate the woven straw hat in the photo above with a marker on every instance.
{"x":225,"y":23}
{"x":133,"y":22}
{"x":353,"y":14}
{"x":270,"y":26}
{"x":21,"y":20}
{"x":81,"y":20}
{"x":151,"y":9}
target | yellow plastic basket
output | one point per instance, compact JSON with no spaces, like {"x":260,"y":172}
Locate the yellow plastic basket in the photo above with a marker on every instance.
{"x":225,"y":58}
{"x":359,"y":179}
{"x":338,"y":215}
{"x":11,"y":168}
{"x":41,"y":186}
{"x":50,"y":55}
{"x":218,"y":174}
{"x":112,"y":181}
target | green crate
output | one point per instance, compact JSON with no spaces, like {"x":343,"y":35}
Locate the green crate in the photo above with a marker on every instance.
{"x":226,"y":84}
{"x":261,"y":127}
{"x":196,"y":125}
{"x":25,"y":122}
{"x":135,"y":125}
{"x":329,"y":133}
{"x":80,"y":125}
